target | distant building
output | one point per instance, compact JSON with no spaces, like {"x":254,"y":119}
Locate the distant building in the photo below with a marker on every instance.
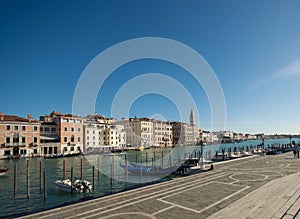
{"x":103,"y":133}
{"x":69,"y":129}
{"x":186,"y":134}
{"x":19,"y":136}
{"x":162,"y":133}
{"x":139,"y":132}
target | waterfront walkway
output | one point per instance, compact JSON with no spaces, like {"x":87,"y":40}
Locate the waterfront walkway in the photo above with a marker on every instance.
{"x":254,"y":187}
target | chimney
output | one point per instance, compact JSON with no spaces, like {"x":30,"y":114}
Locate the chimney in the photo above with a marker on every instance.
{"x":1,"y":116}
{"x":29,"y":116}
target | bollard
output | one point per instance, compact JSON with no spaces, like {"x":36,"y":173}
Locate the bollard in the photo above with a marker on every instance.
{"x":136,"y":158}
{"x":154,"y":157}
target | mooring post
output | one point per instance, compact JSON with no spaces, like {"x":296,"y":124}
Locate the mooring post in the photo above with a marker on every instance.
{"x":126,"y":170}
{"x":45,"y":193}
{"x":93,"y":177}
{"x":136,"y":158}
{"x":146,"y":158}
{"x":71,"y":180}
{"x":81,"y":169}
{"x":162,"y":159}
{"x":40,"y":176}
{"x":98,"y":162}
{"x":64,"y":170}
{"x":15,"y":180}
{"x":170,"y":159}
{"x":28,"y":181}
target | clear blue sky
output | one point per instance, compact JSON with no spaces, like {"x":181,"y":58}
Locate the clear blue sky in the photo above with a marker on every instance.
{"x":252,"y":46}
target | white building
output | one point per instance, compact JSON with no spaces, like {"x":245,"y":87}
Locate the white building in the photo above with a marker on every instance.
{"x":139,"y":132}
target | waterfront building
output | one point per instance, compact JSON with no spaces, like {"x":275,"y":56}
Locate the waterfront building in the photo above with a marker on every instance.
{"x":101,"y":134}
{"x":49,"y":137}
{"x":69,"y":129}
{"x":139,"y":132}
{"x":19,"y":136}
{"x":186,"y":134}
{"x":162,"y":133}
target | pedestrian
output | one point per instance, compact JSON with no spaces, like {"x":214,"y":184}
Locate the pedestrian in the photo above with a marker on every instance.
{"x":298,"y":153}
{"x":295,"y":152}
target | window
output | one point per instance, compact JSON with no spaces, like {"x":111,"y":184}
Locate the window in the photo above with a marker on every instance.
{"x":72,"y":148}
{"x":16,"y":127}
{"x":23,"y":139}
{"x":7,"y":140}
{"x":78,"y":129}
{"x":72,"y":129}
{"x":87,"y":131}
{"x":23,"y":128}
{"x":53,"y":129}
{"x":65,"y":148}
{"x":47,"y":129}
{"x":78,"y":139}
{"x":65,"y":139}
{"x":41,"y":129}
{"x":8,"y":127}
{"x":66,"y":129}
{"x":34,"y":128}
{"x":72,"y":138}
{"x":35,"y":139}
{"x":35,"y":151}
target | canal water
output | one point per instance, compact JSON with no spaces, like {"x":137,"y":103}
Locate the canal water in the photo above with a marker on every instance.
{"x":103,"y":185}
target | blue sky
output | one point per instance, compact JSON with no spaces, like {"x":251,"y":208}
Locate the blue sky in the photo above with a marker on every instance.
{"x":252,"y":46}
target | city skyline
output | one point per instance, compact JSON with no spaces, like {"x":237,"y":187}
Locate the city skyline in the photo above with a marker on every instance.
{"x":253,"y":48}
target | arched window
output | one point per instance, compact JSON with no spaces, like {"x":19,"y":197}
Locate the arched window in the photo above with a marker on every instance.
{"x":72,"y":138}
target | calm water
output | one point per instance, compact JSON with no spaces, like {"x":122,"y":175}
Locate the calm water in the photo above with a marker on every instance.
{"x":11,"y":205}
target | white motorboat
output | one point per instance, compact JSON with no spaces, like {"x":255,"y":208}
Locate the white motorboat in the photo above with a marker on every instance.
{"x":66,"y":185}
{"x":87,"y":186}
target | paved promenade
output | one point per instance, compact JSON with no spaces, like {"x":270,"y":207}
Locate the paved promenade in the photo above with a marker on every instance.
{"x":254,"y":187}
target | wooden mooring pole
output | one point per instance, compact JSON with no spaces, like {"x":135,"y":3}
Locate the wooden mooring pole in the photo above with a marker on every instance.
{"x":64,"y":170}
{"x":81,"y":168}
{"x":98,"y":162}
{"x":45,"y":190}
{"x":15,"y":180}
{"x":93,"y":177}
{"x":71,"y":180}
{"x":40,"y":176}
{"x":28,"y":180}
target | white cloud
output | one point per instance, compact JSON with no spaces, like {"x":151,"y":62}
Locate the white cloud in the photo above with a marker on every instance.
{"x":288,"y":71}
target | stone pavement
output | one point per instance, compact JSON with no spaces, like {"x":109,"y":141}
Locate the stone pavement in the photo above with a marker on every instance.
{"x":252,"y":187}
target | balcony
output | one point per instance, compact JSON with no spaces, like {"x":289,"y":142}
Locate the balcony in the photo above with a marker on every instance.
{"x":15,"y":144}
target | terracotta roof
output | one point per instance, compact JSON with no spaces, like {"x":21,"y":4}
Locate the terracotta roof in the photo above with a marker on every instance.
{"x":14,"y":118}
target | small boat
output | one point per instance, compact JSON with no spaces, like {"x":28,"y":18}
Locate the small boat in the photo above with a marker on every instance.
{"x":66,"y":185}
{"x":87,"y":186}
{"x":3,"y":171}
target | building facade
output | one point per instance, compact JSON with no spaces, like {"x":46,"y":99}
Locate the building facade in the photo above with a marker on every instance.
{"x":19,"y":136}
{"x":69,"y":129}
